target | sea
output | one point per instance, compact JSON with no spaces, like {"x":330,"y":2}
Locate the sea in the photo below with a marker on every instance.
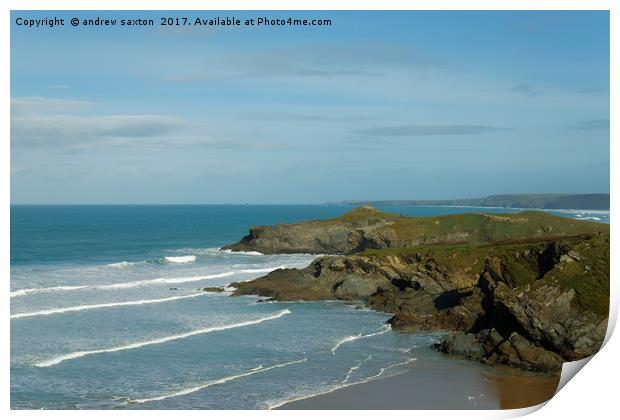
{"x":108,"y":311}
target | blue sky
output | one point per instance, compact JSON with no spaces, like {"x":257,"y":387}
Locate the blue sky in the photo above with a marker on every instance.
{"x":380,"y":105}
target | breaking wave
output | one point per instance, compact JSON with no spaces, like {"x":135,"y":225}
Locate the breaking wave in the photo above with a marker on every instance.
{"x":122,"y":264}
{"x":75,"y":355}
{"x":23,"y":292}
{"x":228,"y":251}
{"x":181,"y":259}
{"x":191,"y":390}
{"x":341,"y":385}
{"x":54,"y":311}
{"x":383,"y":330}
{"x":139,"y":283}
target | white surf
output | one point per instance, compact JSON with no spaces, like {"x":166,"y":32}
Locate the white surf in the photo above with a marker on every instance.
{"x":69,"y":356}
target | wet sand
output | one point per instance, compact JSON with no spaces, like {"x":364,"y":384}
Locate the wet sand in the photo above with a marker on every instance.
{"x":431,"y":384}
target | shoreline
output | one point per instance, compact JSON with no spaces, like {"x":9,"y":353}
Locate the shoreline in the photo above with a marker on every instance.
{"x":436,"y":384}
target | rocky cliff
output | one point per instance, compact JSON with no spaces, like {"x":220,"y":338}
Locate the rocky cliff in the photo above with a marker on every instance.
{"x":531,"y":303}
{"x":367,"y":228}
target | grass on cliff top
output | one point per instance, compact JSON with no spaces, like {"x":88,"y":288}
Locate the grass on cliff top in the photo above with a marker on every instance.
{"x":472,"y":227}
{"x":589,"y":276}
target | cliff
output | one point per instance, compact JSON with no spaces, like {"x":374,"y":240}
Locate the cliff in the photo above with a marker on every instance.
{"x":531,"y":302}
{"x":367,"y":228}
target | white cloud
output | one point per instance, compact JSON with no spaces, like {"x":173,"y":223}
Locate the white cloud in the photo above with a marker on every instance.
{"x":41,"y":122}
{"x":28,"y":105}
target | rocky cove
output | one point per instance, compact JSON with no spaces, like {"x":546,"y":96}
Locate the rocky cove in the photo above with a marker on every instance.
{"x":528,"y":290}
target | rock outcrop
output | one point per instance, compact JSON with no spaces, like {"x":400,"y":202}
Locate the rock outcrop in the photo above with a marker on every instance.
{"x":489,"y":346}
{"x":531,"y":303}
{"x":367,"y":228}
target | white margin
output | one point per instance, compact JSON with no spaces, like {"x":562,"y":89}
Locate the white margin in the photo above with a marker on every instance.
{"x":593,"y":394}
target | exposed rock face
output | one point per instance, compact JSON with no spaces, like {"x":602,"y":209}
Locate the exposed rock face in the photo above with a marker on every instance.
{"x":367,"y":228}
{"x":384,"y":281}
{"x":546,"y":312}
{"x":532,"y":304}
{"x":489,"y":346}
{"x":336,"y":236}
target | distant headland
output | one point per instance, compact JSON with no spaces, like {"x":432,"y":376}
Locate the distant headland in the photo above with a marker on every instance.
{"x":520,"y":201}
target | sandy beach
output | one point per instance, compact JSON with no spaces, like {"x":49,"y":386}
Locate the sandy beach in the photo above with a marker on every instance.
{"x":431,"y":384}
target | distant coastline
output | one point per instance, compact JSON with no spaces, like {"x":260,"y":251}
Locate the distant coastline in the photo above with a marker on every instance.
{"x":514,"y":201}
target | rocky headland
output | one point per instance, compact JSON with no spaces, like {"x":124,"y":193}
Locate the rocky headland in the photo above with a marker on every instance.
{"x":529,"y":290}
{"x":519,"y":201}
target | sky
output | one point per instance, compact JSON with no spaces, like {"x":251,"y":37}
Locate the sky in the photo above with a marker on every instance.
{"x":376,"y":106}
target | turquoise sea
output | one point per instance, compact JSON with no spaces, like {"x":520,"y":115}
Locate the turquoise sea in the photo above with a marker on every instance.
{"x":107,"y":312}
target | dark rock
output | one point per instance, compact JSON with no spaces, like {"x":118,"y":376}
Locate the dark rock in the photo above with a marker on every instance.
{"x":218,"y":289}
{"x":467,"y":345}
{"x":490,"y":347}
{"x":265,"y":300}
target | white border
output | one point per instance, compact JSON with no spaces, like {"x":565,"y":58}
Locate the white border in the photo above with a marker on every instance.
{"x":592,"y":394}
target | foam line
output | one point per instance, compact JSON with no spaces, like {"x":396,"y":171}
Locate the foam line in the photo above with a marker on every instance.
{"x":382,"y":370}
{"x":351,"y":370}
{"x":163,"y":280}
{"x":181,"y":260}
{"x":228,"y":251}
{"x":122,"y":264}
{"x":220,"y":381}
{"x":139,"y":283}
{"x":23,"y":292}
{"x":354,"y":368}
{"x":350,"y":338}
{"x":54,"y":311}
{"x":69,"y":356}
{"x":342,"y":385}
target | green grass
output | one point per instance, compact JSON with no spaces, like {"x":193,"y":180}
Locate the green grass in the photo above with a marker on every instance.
{"x":471,"y":227}
{"x":590,"y":276}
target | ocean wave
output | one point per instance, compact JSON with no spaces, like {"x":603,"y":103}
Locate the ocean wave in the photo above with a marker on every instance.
{"x":581,"y":217}
{"x":228,"y":251}
{"x":183,"y":259}
{"x":584,"y":211}
{"x":382,"y":330}
{"x":75,"y":355}
{"x":127,"y":285}
{"x":54,"y":311}
{"x":382,"y":370}
{"x":351,"y":370}
{"x":139,"y":283}
{"x":24,"y":292}
{"x":220,"y":381}
{"x":122,"y":264}
{"x":354,"y":368}
{"x":340,"y":386}
{"x":161,"y":280}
